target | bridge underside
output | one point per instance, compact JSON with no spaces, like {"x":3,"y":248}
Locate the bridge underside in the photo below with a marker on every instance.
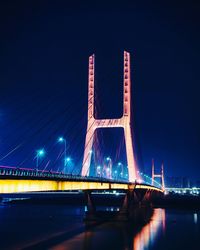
{"x":34,"y":185}
{"x":136,"y":195}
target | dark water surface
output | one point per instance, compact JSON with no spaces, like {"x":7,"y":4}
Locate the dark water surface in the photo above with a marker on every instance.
{"x":34,"y":226}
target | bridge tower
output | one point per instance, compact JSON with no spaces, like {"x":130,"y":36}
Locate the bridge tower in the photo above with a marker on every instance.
{"x":123,"y":122}
{"x":161,"y":175}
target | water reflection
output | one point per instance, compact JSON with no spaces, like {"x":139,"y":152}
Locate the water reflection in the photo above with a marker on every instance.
{"x":195,"y":218}
{"x":148,"y":233}
{"x":120,"y":235}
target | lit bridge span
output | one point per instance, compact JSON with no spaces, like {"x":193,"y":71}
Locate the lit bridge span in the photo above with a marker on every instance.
{"x":17,"y":180}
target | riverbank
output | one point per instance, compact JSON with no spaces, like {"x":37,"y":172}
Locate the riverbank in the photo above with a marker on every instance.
{"x":178,"y":201}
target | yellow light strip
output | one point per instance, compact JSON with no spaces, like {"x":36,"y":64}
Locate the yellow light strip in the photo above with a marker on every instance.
{"x":141,"y":186}
{"x":18,"y":186}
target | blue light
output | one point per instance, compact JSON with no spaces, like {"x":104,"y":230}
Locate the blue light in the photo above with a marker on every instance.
{"x":60,"y":139}
{"x":68,"y":159}
{"x":40,"y":152}
{"x":108,"y":159}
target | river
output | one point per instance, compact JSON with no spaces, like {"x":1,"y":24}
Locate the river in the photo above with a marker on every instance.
{"x":57,"y":227}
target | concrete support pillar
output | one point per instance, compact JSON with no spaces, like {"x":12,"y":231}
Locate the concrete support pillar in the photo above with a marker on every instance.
{"x":127,"y":206}
{"x":91,"y":209}
{"x":89,"y":202}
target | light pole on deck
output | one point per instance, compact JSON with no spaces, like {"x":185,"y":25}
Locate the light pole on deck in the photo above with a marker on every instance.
{"x":40,"y":153}
{"x":63,"y":140}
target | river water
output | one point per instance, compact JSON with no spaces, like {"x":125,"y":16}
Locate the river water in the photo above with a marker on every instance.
{"x":57,"y":227}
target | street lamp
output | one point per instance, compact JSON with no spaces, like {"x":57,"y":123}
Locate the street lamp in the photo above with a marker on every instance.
{"x":67,"y":161}
{"x":116,"y":173}
{"x":109,"y":168}
{"x":122,"y":169}
{"x":62,"y":140}
{"x":99,"y":170}
{"x":39,"y":153}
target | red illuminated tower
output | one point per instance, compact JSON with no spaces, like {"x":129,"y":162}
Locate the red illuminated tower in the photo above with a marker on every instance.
{"x":123,"y":122}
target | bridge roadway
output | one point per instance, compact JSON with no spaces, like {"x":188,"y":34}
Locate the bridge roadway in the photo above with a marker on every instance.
{"x":18,"y":180}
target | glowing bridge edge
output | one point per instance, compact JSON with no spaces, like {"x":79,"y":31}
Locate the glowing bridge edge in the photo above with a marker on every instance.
{"x":18,"y":186}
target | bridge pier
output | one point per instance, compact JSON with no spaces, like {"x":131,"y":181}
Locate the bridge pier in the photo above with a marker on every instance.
{"x":134,"y":201}
{"x":90,"y":214}
{"x":126,"y":206}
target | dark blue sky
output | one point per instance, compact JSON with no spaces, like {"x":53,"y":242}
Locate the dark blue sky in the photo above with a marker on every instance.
{"x":43,"y":78}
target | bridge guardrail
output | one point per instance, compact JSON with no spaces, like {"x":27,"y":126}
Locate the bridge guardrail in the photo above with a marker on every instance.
{"x":11,"y":171}
{"x":7,"y":171}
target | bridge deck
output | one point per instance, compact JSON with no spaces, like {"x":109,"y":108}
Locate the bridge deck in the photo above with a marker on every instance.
{"x":13,"y":180}
{"x":29,"y":185}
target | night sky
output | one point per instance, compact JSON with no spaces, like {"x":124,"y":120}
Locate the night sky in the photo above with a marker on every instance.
{"x":44,"y":50}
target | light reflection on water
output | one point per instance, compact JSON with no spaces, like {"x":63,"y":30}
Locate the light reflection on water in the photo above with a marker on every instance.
{"x":62,"y":227}
{"x":118,"y":235}
{"x":148,"y":233}
{"x":195,"y":218}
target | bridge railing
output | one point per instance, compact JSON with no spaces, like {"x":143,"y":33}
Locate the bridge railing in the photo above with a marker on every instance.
{"x":7,"y":171}
{"x":22,"y":172}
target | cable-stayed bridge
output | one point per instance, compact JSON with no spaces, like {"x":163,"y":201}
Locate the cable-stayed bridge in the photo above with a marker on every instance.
{"x":17,"y":179}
